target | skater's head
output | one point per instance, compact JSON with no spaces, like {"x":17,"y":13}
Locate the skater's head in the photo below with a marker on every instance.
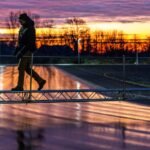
{"x":25,"y":20}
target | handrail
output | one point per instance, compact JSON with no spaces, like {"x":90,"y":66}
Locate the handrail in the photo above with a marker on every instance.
{"x":73,"y":95}
{"x":78,"y":90}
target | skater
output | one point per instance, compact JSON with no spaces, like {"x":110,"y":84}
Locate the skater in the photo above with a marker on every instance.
{"x":26,"y":46}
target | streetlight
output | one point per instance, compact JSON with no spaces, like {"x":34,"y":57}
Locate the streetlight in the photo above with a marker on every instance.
{"x":135,"y":47}
{"x":78,"y":41}
{"x":137,"y":58}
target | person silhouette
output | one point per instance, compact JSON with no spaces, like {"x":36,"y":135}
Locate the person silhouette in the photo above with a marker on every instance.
{"x":29,"y":139}
{"x":23,"y":52}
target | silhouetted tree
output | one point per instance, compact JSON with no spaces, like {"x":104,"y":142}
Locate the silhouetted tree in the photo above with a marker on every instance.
{"x":75,"y":26}
{"x":46,"y":32}
{"x":12,"y":24}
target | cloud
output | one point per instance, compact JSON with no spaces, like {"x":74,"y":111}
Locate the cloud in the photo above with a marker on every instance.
{"x":124,"y":11}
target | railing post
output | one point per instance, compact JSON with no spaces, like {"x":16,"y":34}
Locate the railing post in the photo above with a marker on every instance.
{"x":31,"y":65}
{"x":124,"y":77}
{"x":137,"y":58}
{"x":0,"y":52}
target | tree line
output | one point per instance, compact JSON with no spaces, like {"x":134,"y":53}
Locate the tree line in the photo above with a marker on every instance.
{"x":78,"y":36}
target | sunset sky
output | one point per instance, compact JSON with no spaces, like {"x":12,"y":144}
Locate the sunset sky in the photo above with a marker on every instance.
{"x":132,"y":17}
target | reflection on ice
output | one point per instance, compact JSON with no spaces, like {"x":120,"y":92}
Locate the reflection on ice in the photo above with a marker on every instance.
{"x":56,"y":79}
{"x":72,"y":126}
{"x":1,"y":77}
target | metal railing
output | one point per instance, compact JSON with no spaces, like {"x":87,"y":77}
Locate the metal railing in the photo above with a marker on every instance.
{"x":85,"y":60}
{"x":82,"y":95}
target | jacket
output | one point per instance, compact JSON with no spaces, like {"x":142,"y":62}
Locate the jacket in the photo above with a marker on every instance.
{"x":26,"y":39}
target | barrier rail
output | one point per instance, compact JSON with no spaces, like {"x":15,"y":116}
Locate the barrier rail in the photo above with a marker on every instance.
{"x":87,"y":60}
{"x":83,"y":95}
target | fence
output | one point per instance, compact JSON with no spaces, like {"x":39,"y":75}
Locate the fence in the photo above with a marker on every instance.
{"x":87,"y":60}
{"x":124,"y":72}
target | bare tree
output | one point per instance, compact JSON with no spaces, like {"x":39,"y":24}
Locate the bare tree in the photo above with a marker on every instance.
{"x":46,"y":32}
{"x":75,"y":29}
{"x":12,"y":24}
{"x":148,"y":44}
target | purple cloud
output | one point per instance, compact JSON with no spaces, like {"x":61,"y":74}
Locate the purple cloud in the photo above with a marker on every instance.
{"x":95,"y":10}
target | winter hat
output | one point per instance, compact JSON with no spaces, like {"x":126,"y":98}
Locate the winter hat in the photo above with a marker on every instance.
{"x":23,"y":16}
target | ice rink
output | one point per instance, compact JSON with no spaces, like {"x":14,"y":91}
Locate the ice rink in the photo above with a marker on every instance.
{"x":70,"y":126}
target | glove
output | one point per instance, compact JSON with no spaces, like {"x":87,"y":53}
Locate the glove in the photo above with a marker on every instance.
{"x":16,"y":51}
{"x":18,"y":56}
{"x":21,"y":52}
